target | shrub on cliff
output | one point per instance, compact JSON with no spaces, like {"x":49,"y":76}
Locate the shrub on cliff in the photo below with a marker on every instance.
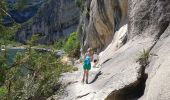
{"x":72,"y":45}
{"x":78,"y":3}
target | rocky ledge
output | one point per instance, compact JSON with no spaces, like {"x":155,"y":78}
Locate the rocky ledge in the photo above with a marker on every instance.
{"x":133,"y":70}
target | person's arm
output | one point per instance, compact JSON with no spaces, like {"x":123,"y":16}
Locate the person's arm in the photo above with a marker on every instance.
{"x":84,"y":56}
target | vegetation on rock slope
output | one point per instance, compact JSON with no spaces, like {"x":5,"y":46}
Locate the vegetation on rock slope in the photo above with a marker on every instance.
{"x":32,"y":74}
{"x":72,"y":45}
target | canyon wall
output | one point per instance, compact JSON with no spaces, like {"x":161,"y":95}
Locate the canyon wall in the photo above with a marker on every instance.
{"x":54,"y":20}
{"x":135,"y":69}
{"x":100,"y":19}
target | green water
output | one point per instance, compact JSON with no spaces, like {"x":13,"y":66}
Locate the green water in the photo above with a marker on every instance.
{"x":11,"y":54}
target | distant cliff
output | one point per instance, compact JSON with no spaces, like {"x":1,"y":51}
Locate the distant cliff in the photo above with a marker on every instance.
{"x":55,"y":19}
{"x":21,"y":10}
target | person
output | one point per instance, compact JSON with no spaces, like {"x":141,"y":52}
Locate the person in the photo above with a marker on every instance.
{"x":86,"y":66}
{"x":95,"y":58}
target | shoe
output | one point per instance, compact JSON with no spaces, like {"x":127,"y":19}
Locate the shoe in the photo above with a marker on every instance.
{"x":82,"y":81}
{"x":86,"y":82}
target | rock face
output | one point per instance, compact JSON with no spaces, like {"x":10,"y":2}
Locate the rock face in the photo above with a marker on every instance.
{"x":153,"y":21}
{"x":29,"y":9}
{"x":148,"y":17}
{"x":55,"y":19}
{"x":133,"y":70}
{"x":100,"y":19}
{"x":158,"y":82}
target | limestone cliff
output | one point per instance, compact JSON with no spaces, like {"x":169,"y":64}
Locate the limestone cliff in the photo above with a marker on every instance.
{"x":21,"y":10}
{"x":100,"y":19}
{"x":55,"y":19}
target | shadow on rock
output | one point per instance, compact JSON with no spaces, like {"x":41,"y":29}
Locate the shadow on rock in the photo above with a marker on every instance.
{"x":96,"y":77}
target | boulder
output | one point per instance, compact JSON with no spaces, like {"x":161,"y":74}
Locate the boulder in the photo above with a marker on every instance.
{"x":59,"y":53}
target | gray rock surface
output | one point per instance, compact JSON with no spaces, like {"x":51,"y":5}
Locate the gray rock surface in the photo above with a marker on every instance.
{"x":136,"y":70}
{"x":55,"y":19}
{"x":99,"y":21}
{"x":121,"y":71}
{"x":148,"y":17}
{"x":119,"y":40}
{"x":158,"y":82}
{"x":151,"y":18}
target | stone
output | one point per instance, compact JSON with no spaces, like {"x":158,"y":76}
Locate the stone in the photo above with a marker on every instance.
{"x":59,"y":53}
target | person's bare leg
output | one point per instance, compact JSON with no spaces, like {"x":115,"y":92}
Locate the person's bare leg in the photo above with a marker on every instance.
{"x":84,"y":75}
{"x":94,"y":64}
{"x":87,"y":74}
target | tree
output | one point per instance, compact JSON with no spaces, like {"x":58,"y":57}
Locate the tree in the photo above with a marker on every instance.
{"x":40,"y":79}
{"x":72,"y":46}
{"x":3,"y":9}
{"x":21,"y":4}
{"x":3,"y":12}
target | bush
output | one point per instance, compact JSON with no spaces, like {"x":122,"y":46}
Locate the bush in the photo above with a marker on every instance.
{"x":59,"y":44}
{"x":3,"y":92}
{"x":144,"y":57}
{"x":21,"y":4}
{"x":7,"y":35}
{"x":33,"y":74}
{"x":3,"y":67}
{"x":72,"y":45}
{"x":78,"y":3}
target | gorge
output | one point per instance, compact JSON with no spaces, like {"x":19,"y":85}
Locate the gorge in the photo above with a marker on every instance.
{"x":131,"y":38}
{"x":55,"y":19}
{"x":133,"y":57}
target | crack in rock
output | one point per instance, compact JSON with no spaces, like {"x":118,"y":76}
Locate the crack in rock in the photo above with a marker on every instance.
{"x":82,"y":95}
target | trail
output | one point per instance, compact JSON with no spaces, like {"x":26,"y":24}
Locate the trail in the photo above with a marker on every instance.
{"x":76,"y":88}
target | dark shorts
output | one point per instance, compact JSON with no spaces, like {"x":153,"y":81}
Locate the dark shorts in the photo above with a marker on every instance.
{"x":86,"y":67}
{"x":95,"y":61}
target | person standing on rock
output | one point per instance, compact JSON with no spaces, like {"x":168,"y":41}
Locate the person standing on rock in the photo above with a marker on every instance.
{"x":86,"y":66}
{"x":95,"y":58}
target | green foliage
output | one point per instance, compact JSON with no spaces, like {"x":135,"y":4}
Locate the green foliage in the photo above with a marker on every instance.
{"x":143,"y":60}
{"x":78,"y":3}
{"x":2,"y":6}
{"x":21,"y":4}
{"x":33,"y":74}
{"x":2,"y":67}
{"x":72,"y":46}
{"x":7,"y":34}
{"x":3,"y":91}
{"x":2,"y":9}
{"x":75,"y":69}
{"x":59,"y":44}
{"x":33,"y":40}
